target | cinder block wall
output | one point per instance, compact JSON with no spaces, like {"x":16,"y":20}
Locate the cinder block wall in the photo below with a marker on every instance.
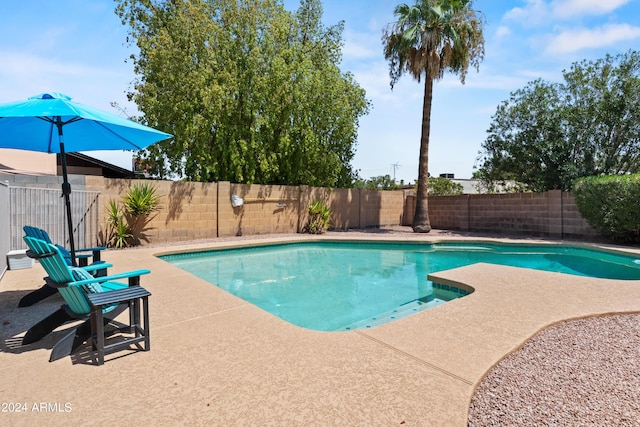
{"x":381,"y":208}
{"x":187,"y":210}
{"x":573,"y":223}
{"x":552,"y":214}
{"x":450,"y":212}
{"x":191,"y":211}
{"x":520,"y":213}
{"x":267,"y":209}
{"x":344,"y":204}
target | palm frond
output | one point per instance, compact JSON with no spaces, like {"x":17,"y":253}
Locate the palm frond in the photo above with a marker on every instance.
{"x":433,"y":36}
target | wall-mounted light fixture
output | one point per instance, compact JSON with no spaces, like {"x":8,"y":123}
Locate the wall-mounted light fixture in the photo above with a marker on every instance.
{"x":236,"y":201}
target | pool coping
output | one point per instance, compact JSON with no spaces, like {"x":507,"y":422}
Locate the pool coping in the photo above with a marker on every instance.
{"x":217,"y":359}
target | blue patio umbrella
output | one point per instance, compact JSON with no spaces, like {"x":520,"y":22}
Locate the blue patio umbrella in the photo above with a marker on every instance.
{"x":52,"y":123}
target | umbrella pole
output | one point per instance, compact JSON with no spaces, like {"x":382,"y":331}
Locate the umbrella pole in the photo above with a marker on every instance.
{"x":66,"y":191}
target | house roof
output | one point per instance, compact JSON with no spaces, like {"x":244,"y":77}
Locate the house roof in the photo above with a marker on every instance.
{"x":23,"y":162}
{"x":108,"y":170}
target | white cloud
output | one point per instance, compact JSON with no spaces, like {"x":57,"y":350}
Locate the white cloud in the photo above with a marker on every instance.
{"x":578,"y":39}
{"x":360,"y":45}
{"x":493,"y":81}
{"x":375,"y":80}
{"x":375,"y":26}
{"x":536,"y":12}
{"x":533,"y":13}
{"x":572,"y":8}
{"x":502,"y":31}
{"x":488,"y":79}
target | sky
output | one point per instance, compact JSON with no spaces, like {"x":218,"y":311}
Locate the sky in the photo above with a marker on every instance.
{"x":77,"y":47}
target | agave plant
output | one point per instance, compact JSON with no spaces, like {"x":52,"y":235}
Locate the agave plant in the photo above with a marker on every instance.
{"x":141,"y":200}
{"x":126,"y":224}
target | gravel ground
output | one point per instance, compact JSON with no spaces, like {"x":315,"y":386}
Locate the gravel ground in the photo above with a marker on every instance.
{"x":576,"y":373}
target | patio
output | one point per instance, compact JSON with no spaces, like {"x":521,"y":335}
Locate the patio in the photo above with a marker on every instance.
{"x":218,"y":360}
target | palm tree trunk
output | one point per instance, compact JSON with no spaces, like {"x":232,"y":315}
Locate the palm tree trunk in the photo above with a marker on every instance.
{"x":421,"y":222}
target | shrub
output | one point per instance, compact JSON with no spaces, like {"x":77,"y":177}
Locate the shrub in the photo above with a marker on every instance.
{"x":118,"y":233}
{"x":610,"y":204}
{"x":319,"y":217}
{"x":127,"y":225}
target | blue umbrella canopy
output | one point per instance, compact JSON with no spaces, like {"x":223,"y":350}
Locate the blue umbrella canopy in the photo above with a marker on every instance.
{"x":37,"y":124}
{"x":52,"y":123}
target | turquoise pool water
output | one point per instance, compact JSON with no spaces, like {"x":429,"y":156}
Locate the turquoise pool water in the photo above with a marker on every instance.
{"x":331,"y":286}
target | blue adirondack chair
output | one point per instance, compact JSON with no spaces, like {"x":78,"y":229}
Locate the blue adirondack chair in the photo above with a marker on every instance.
{"x":96,"y":268}
{"x":82,"y":255}
{"x":73,"y":284}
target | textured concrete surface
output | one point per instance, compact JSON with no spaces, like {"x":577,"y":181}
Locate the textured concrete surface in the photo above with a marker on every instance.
{"x":218,"y":360}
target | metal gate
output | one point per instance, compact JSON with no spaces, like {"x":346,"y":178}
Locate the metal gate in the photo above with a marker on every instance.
{"x":44,"y":208}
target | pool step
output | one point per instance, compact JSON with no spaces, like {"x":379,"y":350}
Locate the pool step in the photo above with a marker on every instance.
{"x":404,"y":310}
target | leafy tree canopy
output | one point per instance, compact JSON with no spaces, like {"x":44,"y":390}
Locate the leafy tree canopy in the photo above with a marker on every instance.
{"x":548,"y":134}
{"x":444,"y":187}
{"x":251,"y":92}
{"x":383,"y":182}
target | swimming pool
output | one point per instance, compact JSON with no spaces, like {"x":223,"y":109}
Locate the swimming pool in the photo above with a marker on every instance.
{"x":333,"y":286}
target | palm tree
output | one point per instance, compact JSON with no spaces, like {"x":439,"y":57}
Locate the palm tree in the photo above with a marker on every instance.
{"x":427,"y":39}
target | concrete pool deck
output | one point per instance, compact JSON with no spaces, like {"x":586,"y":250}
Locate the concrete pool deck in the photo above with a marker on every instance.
{"x":218,"y":360}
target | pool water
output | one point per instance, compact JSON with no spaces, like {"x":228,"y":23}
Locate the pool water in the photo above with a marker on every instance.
{"x":332,"y":286}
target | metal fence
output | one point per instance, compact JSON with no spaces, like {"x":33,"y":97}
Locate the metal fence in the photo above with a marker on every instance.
{"x":4,"y":226}
{"x":45,"y":208}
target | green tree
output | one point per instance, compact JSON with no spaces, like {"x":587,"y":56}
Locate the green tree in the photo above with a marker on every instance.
{"x":251,"y":92}
{"x":548,"y":134}
{"x":444,"y":187}
{"x":536,"y":153}
{"x":383,"y":182}
{"x":427,"y":39}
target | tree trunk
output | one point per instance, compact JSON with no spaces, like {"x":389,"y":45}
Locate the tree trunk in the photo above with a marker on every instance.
{"x":421,"y":222}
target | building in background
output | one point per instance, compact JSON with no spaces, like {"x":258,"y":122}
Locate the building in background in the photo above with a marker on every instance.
{"x":21,"y":162}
